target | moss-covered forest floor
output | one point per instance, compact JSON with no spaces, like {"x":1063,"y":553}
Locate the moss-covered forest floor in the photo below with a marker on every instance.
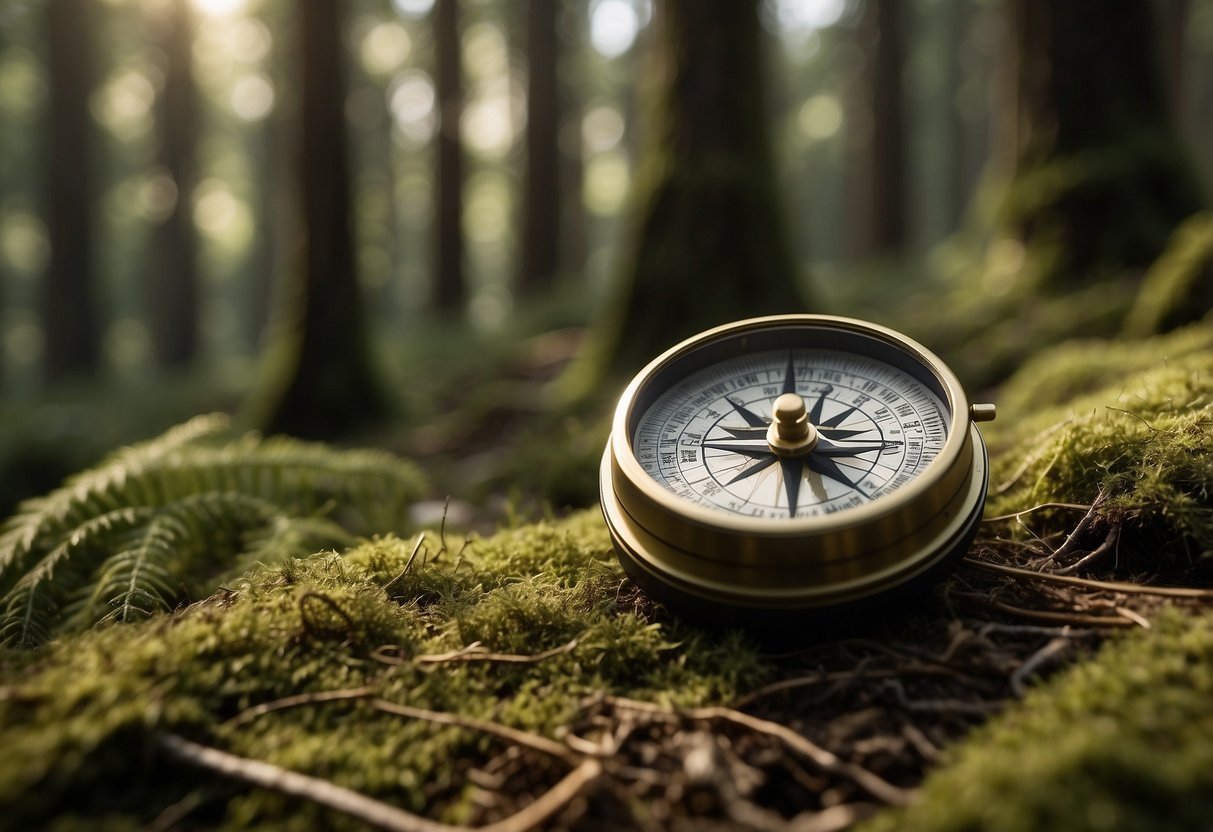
{"x":1062,"y":678}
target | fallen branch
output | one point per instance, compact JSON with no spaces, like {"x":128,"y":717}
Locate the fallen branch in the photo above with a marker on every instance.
{"x":1110,"y":586}
{"x":533,"y":741}
{"x":366,"y":809}
{"x":825,"y":760}
{"x":476,"y":653}
{"x":1081,"y":529}
{"x":1055,"y":616}
{"x":1136,"y":617}
{"x":408,"y":564}
{"x":944,"y":706}
{"x":1034,"y":662}
{"x":1099,"y":551}
{"x":859,"y":674}
{"x":249,"y":714}
{"x":1015,"y":515}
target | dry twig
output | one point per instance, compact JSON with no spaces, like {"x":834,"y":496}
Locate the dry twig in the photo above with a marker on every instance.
{"x":1109,"y":586}
{"x":1075,"y":536}
{"x":475,"y":652}
{"x":1055,"y":616}
{"x":408,"y":564}
{"x":524,"y":738}
{"x":1102,"y":549}
{"x":1015,"y":515}
{"x":944,"y":706}
{"x":249,"y":714}
{"x":1049,"y":652}
{"x":825,"y":760}
{"x":367,"y":809}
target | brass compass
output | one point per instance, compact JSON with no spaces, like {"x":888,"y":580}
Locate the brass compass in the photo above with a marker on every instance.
{"x":791,"y":464}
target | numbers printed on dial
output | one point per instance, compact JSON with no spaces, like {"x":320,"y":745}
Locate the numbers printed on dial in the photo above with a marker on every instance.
{"x":705,"y":438}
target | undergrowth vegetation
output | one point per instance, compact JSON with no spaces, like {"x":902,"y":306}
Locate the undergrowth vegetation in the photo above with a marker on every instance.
{"x":1124,"y":742}
{"x":518,"y":629}
{"x":164,"y":521}
{"x":1127,"y":427}
{"x":394,"y":669}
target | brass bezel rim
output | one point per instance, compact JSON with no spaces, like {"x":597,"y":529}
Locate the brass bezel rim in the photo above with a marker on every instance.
{"x":818,"y":586}
{"x":628,"y":466}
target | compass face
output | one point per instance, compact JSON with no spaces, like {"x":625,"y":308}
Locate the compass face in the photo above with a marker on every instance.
{"x":705,"y":437}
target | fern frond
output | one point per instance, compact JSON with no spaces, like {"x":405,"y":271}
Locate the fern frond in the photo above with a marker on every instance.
{"x":156,"y":522}
{"x":136,"y":582}
{"x":29,"y":615}
{"x":42,"y":521}
{"x":31,"y":605}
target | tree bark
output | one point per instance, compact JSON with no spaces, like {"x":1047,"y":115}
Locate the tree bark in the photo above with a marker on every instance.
{"x":1101,"y":175}
{"x":880,"y":228}
{"x":450,"y":291}
{"x":541,"y":225}
{"x":707,"y":241}
{"x":70,"y":319}
{"x":173,"y":291}
{"x":330,"y":388}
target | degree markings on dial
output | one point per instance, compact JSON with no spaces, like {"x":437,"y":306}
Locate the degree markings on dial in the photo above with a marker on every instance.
{"x":691,"y":433}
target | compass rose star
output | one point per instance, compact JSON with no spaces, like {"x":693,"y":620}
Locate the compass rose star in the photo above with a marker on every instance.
{"x":801,"y":441}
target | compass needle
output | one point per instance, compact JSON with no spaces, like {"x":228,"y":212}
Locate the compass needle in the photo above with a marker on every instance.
{"x":792,"y":469}
{"x":746,"y":432}
{"x":753,"y":469}
{"x":838,"y":419}
{"x":792,"y":465}
{"x":754,"y":451}
{"x":751,"y":418}
{"x":834,"y":433}
{"x":828,"y":468}
{"x":815,"y":413}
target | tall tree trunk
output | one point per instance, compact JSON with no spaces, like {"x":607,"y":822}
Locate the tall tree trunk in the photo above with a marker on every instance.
{"x":329,"y":388}
{"x":541,"y":226}
{"x":173,"y":291}
{"x":880,"y":227}
{"x":957,"y":18}
{"x":450,"y":291}
{"x":273,"y":206}
{"x":70,"y":319}
{"x":1102,"y":176}
{"x":707,"y":242}
{"x":1174,"y":17}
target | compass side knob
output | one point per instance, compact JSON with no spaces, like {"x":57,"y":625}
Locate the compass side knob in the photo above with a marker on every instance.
{"x":982,"y":412}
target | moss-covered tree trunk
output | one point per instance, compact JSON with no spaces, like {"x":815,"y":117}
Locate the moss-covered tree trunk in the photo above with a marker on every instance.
{"x":70,"y":319}
{"x":1101,"y":174}
{"x":541,"y":227}
{"x":879,"y":148}
{"x":173,"y":292}
{"x":326,"y":387}
{"x":450,"y":290}
{"x":707,"y":242}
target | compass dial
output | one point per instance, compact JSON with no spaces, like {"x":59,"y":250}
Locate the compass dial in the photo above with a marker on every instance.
{"x":706,"y":437}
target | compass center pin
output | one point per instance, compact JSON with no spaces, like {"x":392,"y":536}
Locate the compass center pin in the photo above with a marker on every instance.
{"x":791,"y":433}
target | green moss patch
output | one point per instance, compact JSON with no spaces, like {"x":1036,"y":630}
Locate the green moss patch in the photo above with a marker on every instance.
{"x":80,"y":716}
{"x":1132,"y":422}
{"x":1123,"y":742}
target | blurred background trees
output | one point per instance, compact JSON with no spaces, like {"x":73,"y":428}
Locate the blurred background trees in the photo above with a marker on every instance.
{"x":481,"y":173}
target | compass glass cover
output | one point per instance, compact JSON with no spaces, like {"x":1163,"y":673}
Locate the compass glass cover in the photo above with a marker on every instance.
{"x":705,"y":436}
